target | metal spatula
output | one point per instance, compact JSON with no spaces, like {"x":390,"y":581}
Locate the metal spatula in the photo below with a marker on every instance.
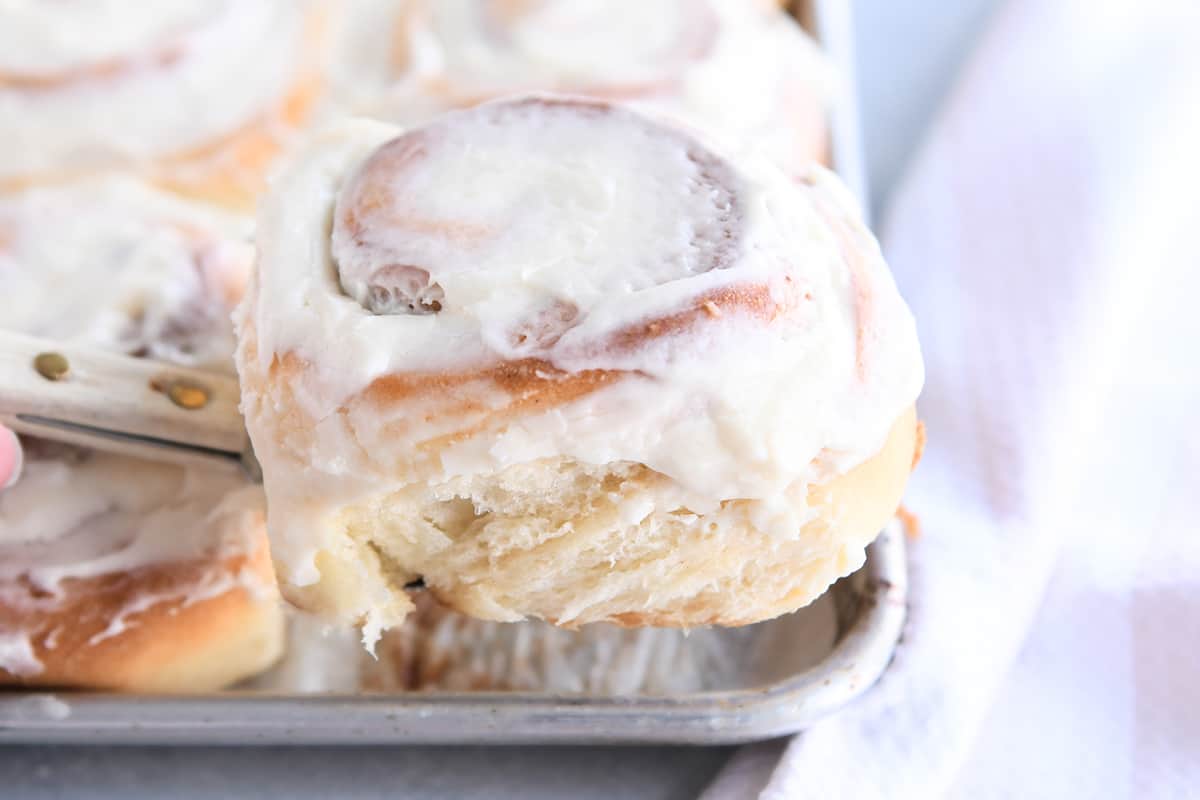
{"x":73,"y":393}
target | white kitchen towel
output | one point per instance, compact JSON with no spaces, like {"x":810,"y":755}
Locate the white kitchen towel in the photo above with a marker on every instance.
{"x":1047,"y":238}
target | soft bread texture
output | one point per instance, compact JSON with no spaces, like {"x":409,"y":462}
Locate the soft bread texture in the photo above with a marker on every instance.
{"x":508,"y":373}
{"x":554,"y":540}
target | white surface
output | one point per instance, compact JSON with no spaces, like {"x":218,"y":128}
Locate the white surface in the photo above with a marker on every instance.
{"x":1047,"y":245}
{"x":907,"y":53}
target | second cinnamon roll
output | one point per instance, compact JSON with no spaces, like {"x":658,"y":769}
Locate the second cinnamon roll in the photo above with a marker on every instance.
{"x":117,"y":572}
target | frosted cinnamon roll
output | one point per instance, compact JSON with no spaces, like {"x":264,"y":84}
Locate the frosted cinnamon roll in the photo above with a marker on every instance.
{"x":115,"y":572}
{"x":742,"y":69}
{"x":198,"y":94}
{"x":561,"y":360}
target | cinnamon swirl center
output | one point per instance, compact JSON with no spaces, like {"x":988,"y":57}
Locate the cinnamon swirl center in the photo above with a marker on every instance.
{"x":531,"y":212}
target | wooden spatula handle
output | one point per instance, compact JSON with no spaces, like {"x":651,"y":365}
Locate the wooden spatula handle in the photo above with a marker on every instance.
{"x":74,"y":393}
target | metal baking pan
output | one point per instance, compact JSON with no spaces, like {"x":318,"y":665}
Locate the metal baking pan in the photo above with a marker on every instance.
{"x":780,"y":676}
{"x":869,"y":607}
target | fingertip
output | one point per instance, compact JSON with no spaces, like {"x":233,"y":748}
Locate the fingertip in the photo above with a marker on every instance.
{"x":11,"y":458}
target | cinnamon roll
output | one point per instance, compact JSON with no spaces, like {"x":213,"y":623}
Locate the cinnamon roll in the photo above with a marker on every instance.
{"x":741,"y":69}
{"x":561,"y":360}
{"x":115,"y":572}
{"x":199,"y":96}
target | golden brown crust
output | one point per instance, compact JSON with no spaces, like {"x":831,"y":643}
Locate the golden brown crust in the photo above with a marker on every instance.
{"x":533,"y":383}
{"x":89,"y":637}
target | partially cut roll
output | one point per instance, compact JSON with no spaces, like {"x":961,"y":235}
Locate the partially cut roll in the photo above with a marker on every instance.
{"x":739,"y":68}
{"x":197,"y":94}
{"x":561,"y":360}
{"x":115,"y":572}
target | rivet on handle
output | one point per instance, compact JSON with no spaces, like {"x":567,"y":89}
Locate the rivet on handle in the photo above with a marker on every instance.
{"x":52,"y":366}
{"x":190,"y":396}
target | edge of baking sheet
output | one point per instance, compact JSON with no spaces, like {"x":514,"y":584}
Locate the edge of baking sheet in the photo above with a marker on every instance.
{"x":864,"y":650}
{"x":832,"y":24}
{"x":856,"y":662}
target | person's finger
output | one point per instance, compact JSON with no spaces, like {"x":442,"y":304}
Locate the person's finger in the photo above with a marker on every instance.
{"x":10,"y":458}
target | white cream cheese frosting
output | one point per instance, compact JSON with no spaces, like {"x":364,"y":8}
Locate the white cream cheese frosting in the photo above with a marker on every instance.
{"x":732,"y":68}
{"x":129,"y":268}
{"x":509,"y":213}
{"x":118,"y":264}
{"x":82,"y":514}
{"x":49,"y":39}
{"x":86,"y":85}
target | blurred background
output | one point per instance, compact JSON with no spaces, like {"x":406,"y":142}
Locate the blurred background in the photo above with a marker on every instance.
{"x":907,"y":56}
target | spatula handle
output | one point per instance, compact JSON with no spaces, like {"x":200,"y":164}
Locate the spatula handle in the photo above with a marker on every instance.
{"x":78,"y":394}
